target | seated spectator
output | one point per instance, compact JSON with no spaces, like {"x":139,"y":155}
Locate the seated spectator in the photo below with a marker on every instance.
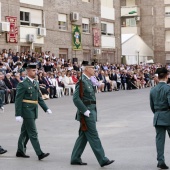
{"x":16,"y":80}
{"x":4,"y":91}
{"x":9,"y":84}
{"x":74,"y":77}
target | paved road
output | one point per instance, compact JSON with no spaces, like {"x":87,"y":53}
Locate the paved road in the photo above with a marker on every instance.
{"x":124,"y":125}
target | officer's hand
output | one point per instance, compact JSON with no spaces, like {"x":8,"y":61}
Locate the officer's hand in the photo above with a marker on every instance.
{"x":49,"y":111}
{"x":87,"y":113}
{"x":19,"y":119}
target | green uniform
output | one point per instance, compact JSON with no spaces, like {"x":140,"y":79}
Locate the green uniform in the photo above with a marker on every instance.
{"x":26,"y":90}
{"x":91,"y":135}
{"x":160,"y":106}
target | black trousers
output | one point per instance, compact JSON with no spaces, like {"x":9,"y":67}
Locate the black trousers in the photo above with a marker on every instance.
{"x":52,"y":91}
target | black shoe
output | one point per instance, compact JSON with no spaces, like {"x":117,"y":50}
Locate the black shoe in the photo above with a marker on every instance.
{"x":107,"y":163}
{"x":162,"y":166}
{"x":19,"y":154}
{"x":2,"y":151}
{"x":43,"y":155}
{"x":55,"y":97}
{"x":78,"y":163}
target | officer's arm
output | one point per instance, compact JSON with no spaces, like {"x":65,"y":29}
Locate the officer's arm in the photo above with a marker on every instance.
{"x":77,"y":101}
{"x":152,"y":104}
{"x":41,"y":102}
{"x":20,"y":92}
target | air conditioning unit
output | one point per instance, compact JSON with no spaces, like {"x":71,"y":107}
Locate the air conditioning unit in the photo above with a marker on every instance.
{"x":97,"y":51}
{"x":95,"y":20}
{"x":41,"y":32}
{"x":74,"y":16}
{"x":31,"y":38}
{"x":137,"y":18}
{"x":4,"y":26}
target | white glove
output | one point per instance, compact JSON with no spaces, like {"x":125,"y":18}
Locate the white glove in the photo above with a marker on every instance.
{"x":87,"y":113}
{"x":19,"y":119}
{"x":49,"y":111}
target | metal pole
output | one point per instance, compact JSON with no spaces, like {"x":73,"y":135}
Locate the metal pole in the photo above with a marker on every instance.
{"x":138,"y":57}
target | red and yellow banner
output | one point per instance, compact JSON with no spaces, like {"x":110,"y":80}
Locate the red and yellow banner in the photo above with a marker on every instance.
{"x":96,"y":37}
{"x":12,"y":35}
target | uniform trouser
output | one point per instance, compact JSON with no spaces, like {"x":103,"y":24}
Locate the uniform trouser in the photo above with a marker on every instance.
{"x":2,"y":97}
{"x":91,"y":135}
{"x":29,"y":131}
{"x":160,"y":142}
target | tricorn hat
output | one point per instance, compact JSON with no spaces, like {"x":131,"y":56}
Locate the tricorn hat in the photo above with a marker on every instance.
{"x":31,"y":66}
{"x":86,"y":63}
{"x":161,"y":70}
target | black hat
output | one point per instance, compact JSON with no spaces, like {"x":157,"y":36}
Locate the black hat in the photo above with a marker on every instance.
{"x":31,"y":66}
{"x":161,"y":70}
{"x":24,"y":65}
{"x":86,"y":63}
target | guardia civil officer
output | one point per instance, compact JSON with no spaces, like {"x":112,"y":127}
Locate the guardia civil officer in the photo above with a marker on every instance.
{"x":85,"y":101}
{"x":160,"y":106}
{"x":28,"y":97}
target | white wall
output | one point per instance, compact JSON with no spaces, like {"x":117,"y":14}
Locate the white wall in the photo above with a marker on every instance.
{"x":108,"y":42}
{"x":107,"y":13}
{"x":130,"y":2}
{"x":33,"y":2}
{"x":167,"y":1}
{"x":25,"y":30}
{"x":0,"y":11}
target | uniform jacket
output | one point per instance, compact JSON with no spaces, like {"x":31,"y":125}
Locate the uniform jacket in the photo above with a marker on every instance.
{"x":160,"y":100}
{"x":88,"y":95}
{"x":27,"y":90}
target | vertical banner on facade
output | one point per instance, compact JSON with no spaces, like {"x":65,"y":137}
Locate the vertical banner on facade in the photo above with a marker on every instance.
{"x":76,"y":33}
{"x":96,"y":37}
{"x":12,"y":35}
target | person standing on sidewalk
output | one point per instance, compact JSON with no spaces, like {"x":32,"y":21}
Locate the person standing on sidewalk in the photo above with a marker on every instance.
{"x":28,"y":97}
{"x":160,"y":106}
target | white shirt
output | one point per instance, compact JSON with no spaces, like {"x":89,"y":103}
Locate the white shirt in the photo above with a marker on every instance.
{"x":30,"y":79}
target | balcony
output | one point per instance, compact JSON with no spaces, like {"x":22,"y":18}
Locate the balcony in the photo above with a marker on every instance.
{"x":167,"y":22}
{"x":167,"y":46}
{"x":127,"y":11}
{"x":166,"y":2}
{"x":131,"y":30}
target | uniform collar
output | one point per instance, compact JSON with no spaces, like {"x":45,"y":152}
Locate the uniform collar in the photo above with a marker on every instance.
{"x":30,"y":79}
{"x":86,"y":76}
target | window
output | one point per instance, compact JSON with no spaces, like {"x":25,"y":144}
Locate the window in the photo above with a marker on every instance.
{"x":24,"y":18}
{"x":167,"y":11}
{"x":62,"y":21}
{"x":107,"y":28}
{"x":85,"y":25}
{"x":130,"y":22}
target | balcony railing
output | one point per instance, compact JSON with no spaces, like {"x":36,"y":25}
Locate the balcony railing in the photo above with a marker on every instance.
{"x":127,"y":11}
{"x":131,"y":30}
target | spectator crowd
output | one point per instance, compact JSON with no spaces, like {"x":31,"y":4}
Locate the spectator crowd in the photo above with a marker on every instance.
{"x":58,"y":77}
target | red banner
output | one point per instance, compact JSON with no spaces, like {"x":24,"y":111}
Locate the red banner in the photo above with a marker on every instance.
{"x":12,"y":35}
{"x":96,"y":37}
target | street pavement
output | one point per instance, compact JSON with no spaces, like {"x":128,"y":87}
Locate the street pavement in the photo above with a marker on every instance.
{"x":124,"y":126}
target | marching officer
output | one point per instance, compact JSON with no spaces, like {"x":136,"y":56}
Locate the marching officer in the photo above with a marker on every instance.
{"x":85,"y":101}
{"x":28,"y":97}
{"x":160,"y":106}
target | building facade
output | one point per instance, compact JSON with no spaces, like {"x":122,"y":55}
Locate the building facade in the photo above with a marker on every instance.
{"x":151,"y":21}
{"x":48,"y":25}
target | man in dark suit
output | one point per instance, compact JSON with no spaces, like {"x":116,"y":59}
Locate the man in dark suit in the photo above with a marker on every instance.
{"x":160,"y":106}
{"x":9,"y":84}
{"x":101,"y":76}
{"x":4,"y":89}
{"x":49,"y":85}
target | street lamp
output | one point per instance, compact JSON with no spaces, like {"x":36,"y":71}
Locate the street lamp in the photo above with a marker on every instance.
{"x":138,"y":55}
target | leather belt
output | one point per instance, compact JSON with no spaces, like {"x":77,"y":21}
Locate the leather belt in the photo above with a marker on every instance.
{"x":89,"y":102}
{"x":165,"y":109}
{"x":30,"y":101}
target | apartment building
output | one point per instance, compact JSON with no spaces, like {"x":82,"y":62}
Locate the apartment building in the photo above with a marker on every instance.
{"x":110,"y":31}
{"x":151,"y":21}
